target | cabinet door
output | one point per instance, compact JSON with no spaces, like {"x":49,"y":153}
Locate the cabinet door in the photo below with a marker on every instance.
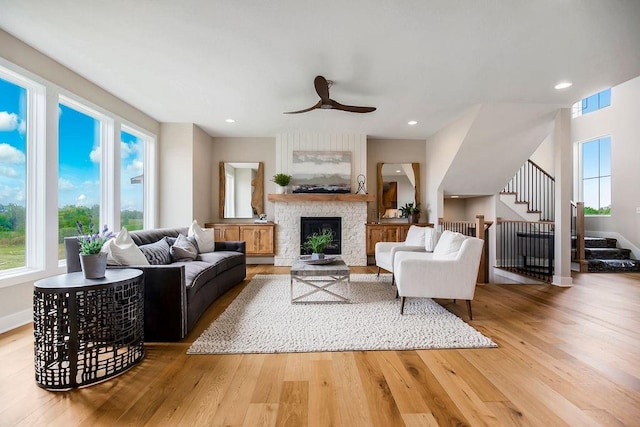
{"x":375,"y":234}
{"x":227,"y":233}
{"x":383,"y":233}
{"x":259,"y":239}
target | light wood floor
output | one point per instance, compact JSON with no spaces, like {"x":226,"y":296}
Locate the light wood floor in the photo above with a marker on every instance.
{"x":566,"y":356}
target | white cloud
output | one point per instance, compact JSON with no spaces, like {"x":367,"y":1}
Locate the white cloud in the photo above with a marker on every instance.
{"x":126,"y":150}
{"x":11,"y":194}
{"x":8,"y":172}
{"x":95,"y":155}
{"x":22,"y":127}
{"x":10,"y":154}
{"x":9,"y":121}
{"x":135,"y":168}
{"x":81,"y":198}
{"x":65,"y":184}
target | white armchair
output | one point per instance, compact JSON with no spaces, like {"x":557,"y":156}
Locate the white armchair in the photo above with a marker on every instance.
{"x":385,"y":252}
{"x":451,"y":271}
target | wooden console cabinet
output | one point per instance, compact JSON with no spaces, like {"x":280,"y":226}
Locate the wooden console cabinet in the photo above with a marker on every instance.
{"x":260,"y":238}
{"x":387,"y":232}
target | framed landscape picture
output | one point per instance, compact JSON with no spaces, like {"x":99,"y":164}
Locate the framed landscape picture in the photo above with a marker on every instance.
{"x":321,"y":172}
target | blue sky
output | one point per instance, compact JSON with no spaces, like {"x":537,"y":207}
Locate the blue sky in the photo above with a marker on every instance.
{"x":12,"y":143}
{"x":79,"y":155}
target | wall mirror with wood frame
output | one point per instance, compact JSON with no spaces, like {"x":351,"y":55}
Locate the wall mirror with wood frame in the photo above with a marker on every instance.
{"x":241,"y":189}
{"x":398,"y":184}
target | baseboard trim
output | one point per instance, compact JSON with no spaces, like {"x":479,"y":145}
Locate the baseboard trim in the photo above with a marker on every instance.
{"x":513,"y":277}
{"x":15,"y":320}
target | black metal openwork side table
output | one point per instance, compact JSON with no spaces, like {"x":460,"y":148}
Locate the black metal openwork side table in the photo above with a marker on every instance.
{"x":87,"y":330}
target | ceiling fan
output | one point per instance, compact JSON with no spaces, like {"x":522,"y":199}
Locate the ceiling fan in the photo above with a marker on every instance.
{"x":322,"y":88}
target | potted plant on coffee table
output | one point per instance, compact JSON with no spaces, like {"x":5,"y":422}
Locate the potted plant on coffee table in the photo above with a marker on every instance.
{"x":411,"y":212}
{"x":92,"y":259}
{"x":317,"y":242}
{"x":282,"y":180}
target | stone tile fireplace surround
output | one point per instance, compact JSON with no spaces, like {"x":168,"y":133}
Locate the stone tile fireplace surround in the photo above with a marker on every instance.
{"x":287,"y":216}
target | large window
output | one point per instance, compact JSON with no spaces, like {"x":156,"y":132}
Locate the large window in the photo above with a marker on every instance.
{"x":53,"y":143}
{"x":79,"y":158}
{"x":596,"y":176}
{"x":592,"y":103}
{"x":132,"y":197}
{"x":13,"y":173}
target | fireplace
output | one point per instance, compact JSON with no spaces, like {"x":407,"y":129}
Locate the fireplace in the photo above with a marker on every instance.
{"x":315,"y":224}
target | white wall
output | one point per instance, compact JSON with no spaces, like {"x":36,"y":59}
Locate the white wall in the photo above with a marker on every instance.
{"x":543,"y":156}
{"x":16,"y":294}
{"x":185,"y":175}
{"x":176,"y":183}
{"x":202,"y":170}
{"x":441,"y":150}
{"x":620,"y":120}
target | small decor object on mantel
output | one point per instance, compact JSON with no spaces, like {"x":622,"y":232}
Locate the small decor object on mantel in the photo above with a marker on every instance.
{"x":282,"y":180}
{"x":316,"y":243}
{"x":361,"y":185}
{"x":92,"y":259}
{"x":411,"y":212}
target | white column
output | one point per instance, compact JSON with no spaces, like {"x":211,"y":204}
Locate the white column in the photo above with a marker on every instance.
{"x":563,"y":172}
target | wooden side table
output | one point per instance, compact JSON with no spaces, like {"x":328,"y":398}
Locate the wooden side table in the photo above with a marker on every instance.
{"x":87,"y":330}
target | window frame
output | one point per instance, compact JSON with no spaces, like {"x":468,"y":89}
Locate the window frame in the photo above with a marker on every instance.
{"x":579,"y":178}
{"x":41,"y":198}
{"x":35,"y":184}
{"x":148,"y":171}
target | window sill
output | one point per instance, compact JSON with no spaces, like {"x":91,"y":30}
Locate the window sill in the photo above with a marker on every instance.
{"x":17,"y":276}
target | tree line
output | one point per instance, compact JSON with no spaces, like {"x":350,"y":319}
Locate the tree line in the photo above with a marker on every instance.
{"x":13,"y":218}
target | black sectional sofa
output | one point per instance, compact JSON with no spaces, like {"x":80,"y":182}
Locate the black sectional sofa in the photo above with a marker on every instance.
{"x":176,"y":294}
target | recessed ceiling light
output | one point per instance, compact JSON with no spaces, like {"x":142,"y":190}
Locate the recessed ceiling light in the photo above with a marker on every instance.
{"x":563,"y":85}
{"x":454,"y":197}
{"x":398,"y":171}
{"x":230,"y":121}
{"x":412,"y":123}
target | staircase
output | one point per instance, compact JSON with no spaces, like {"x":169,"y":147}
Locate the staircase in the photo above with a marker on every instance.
{"x":603,"y":256}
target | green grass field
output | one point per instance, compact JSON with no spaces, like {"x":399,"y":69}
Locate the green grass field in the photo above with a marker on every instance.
{"x":12,"y":251}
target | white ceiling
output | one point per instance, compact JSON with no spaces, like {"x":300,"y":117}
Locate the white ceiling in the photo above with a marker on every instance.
{"x":425,"y":60}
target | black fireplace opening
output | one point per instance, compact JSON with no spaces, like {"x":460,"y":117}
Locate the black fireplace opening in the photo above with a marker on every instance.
{"x":315,"y":224}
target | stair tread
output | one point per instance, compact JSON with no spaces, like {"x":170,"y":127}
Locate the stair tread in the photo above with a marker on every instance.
{"x":612,"y":265}
{"x":600,"y":242}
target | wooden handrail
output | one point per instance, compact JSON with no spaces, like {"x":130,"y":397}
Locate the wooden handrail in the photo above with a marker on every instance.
{"x":541,"y":170}
{"x":500,"y":221}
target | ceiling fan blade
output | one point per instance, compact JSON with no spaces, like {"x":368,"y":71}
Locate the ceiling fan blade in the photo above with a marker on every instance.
{"x":305,"y":110}
{"x":322,"y":88}
{"x":351,"y":108}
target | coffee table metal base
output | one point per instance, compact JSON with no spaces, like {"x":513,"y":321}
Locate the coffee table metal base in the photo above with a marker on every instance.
{"x":319,"y":278}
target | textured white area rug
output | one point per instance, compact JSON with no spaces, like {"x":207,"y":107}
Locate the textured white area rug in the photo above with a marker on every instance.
{"x":262,"y":320}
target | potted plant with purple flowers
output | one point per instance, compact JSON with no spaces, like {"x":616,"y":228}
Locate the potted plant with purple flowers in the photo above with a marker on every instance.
{"x":92,"y":259}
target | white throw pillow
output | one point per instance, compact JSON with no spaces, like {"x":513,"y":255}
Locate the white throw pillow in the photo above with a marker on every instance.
{"x":415,"y":236}
{"x":205,"y":237}
{"x":122,"y":250}
{"x":431,"y":236}
{"x":448,"y":244}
